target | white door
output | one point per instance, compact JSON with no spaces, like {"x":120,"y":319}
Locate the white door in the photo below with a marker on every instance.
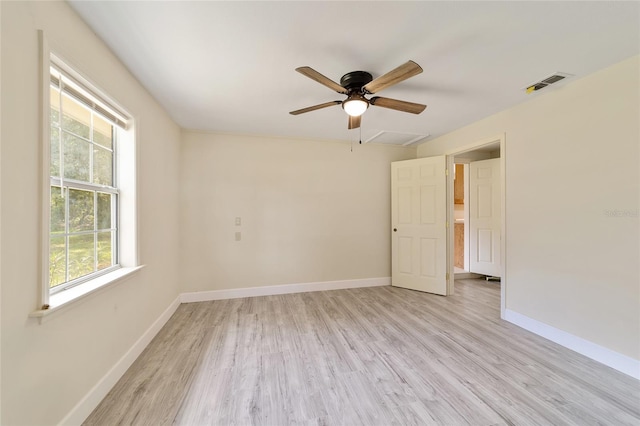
{"x":418,"y":221}
{"x":484,"y":217}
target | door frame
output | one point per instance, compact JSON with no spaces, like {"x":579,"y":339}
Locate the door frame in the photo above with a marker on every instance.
{"x":451,"y":219}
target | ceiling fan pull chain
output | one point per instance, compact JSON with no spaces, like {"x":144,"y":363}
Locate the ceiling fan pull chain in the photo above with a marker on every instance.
{"x":360,"y":128}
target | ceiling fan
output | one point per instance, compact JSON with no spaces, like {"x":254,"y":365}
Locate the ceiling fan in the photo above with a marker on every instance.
{"x":357,"y":84}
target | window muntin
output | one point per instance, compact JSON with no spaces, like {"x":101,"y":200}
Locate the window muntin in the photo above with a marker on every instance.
{"x":83,"y":231}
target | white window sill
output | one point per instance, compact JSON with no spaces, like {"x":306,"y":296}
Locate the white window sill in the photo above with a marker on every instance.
{"x":66,"y":298}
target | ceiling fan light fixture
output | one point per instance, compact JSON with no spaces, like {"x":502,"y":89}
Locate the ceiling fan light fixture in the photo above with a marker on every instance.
{"x":355,"y":106}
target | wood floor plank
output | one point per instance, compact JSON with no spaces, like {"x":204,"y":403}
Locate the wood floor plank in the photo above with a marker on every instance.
{"x":148,"y":396}
{"x":369,"y":356}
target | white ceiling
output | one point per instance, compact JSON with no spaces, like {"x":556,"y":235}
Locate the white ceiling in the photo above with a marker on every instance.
{"x":229,"y":66}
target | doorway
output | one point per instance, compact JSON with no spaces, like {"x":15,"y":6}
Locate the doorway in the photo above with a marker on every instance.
{"x":464,"y":162}
{"x":471,"y":193}
{"x":423,"y":240}
{"x":460,"y":218}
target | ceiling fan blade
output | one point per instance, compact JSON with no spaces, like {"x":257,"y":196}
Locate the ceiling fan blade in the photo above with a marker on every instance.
{"x":315,"y":75}
{"x":394,"y":76}
{"x":354,"y":122}
{"x":403,"y":106}
{"x":315,"y":107}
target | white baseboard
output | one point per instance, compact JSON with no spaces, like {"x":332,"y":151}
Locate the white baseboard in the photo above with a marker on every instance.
{"x":615,"y":360}
{"x":203,"y":296}
{"x":81,"y":411}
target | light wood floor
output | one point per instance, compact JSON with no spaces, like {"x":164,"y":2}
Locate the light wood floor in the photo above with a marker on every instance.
{"x":372,"y":356}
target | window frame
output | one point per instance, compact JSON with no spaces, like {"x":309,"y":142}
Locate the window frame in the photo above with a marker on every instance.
{"x":125,"y":179}
{"x":83,"y":97}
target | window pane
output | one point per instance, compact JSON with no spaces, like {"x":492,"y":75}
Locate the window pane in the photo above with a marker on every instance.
{"x":102,"y":132}
{"x":57,"y":261}
{"x":105,"y":252}
{"x":80,"y":210}
{"x":104,"y":211}
{"x":54,"y":168}
{"x":77,"y":154}
{"x":81,"y":255}
{"x":102,"y":166}
{"x":54,"y":98}
{"x":76,"y":118}
{"x":57,"y":210}
{"x":83,"y":210}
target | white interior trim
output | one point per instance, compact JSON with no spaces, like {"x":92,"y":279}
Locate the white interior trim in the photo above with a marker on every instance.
{"x":68,"y":297}
{"x":203,"y":296}
{"x":126,"y":181}
{"x":467,"y":220}
{"x":450,"y":220}
{"x":45,"y":140}
{"x":615,"y":360}
{"x":503,"y":226}
{"x":475,"y":145}
{"x":90,"y":401}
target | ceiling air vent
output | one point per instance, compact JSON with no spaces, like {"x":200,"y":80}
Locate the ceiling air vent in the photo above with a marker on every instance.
{"x":556,"y":77}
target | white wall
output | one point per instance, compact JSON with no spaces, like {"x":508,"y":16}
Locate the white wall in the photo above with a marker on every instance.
{"x":311,"y":211}
{"x":572,"y":155}
{"x":47,"y":369}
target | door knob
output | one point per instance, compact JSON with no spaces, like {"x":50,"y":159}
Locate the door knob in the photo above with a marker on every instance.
{"x":395,"y":229}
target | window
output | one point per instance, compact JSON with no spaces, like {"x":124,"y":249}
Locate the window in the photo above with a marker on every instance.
{"x":86,"y":134}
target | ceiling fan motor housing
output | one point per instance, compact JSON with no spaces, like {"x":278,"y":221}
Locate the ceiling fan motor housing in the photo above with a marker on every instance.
{"x":355,"y":80}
